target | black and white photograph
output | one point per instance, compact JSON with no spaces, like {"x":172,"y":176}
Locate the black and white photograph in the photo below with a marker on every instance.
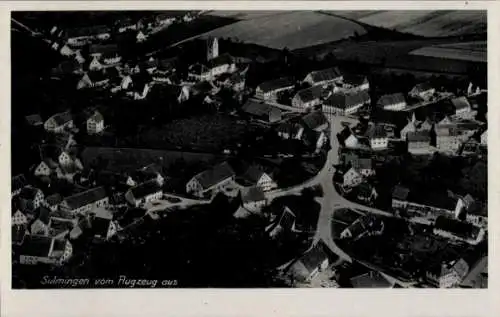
{"x":249,"y":149}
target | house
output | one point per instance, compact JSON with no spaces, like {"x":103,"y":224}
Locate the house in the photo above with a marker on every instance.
{"x":85,"y":201}
{"x":233,"y":81}
{"x":363,"y":165}
{"x":34,"y":120}
{"x":95,"y":64}
{"x":52,"y":202}
{"x":422,"y":91}
{"x":392,"y":102}
{"x":125,"y":24}
{"x":258,"y":178}
{"x":345,"y":103}
{"x":367,"y":225}
{"x":366,"y":192}
{"x":377,"y":136}
{"x":102,"y":225}
{"x":313,"y":130}
{"x":315,"y":260}
{"x":372,"y":279}
{"x":42,"y":222}
{"x":166,"y":65}
{"x":165,"y":19}
{"x":126,"y":82}
{"x":418,"y":141}
{"x":323,"y":77}
{"x":308,"y":98}
{"x":352,"y":177}
{"x":351,"y":82}
{"x":285,"y":223}
{"x":211,"y":181}
{"x":199,"y":72}
{"x":141,"y":37}
{"x":18,"y":234}
{"x":270,"y":90}
{"x":221,"y":64}
{"x":31,"y":198}
{"x":41,"y":249}
{"x":461,"y":106}
{"x":59,"y":228}
{"x":144,"y":193}
{"x":18,"y":218}
{"x":82,"y":35}
{"x":59,"y":122}
{"x":315,"y":121}
{"x":253,"y":198}
{"x":458,"y":230}
{"x":449,"y":137}
{"x":484,"y":137}
{"x":447,"y":274}
{"x":17,"y":183}
{"x":261,"y":111}
{"x":93,"y":80}
{"x":287,"y":130}
{"x":414,"y":125}
{"x":95,"y":123}
{"x":400,"y":197}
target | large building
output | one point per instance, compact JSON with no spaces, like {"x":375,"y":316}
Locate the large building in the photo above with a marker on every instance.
{"x":346,"y":103}
{"x":393,"y":102}
{"x":324,"y":76}
{"x":270,"y":90}
{"x":211,"y":181}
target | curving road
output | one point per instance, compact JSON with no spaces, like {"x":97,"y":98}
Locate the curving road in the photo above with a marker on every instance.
{"x":331,"y":199}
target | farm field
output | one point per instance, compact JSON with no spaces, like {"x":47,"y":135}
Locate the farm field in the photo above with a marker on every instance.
{"x":246,"y":15}
{"x":473,"y":52}
{"x":423,"y":23}
{"x":290,"y":29}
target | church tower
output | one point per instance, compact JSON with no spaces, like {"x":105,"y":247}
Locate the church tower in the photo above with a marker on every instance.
{"x":212,"y":48}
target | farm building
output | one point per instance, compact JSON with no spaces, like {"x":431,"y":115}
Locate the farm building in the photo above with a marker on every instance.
{"x":354,"y":82}
{"x":458,"y":230}
{"x":345,"y":103}
{"x":253,"y":198}
{"x":85,"y":201}
{"x":261,"y":111}
{"x":40,"y":249}
{"x":211,"y":181}
{"x":308,"y":98}
{"x":323,"y":77}
{"x":449,"y":137}
{"x":270,"y":90}
{"x":144,"y":193}
{"x":393,"y":102}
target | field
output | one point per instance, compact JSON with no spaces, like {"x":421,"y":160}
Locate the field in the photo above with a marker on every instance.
{"x":423,"y":23}
{"x":472,"y":51}
{"x":289,"y":29}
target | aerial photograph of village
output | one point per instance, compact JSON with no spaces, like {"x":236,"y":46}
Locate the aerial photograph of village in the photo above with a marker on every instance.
{"x":249,"y":149}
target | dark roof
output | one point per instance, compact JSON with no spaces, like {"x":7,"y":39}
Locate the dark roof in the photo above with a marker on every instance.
{"x":325,"y":74}
{"x":34,"y":119}
{"x":97,"y":76}
{"x":456,"y":227}
{"x":309,"y":94}
{"x":58,"y":226}
{"x":62,"y":117}
{"x":103,"y":48}
{"x":250,"y":194}
{"x":18,"y":233}
{"x":314,"y":119}
{"x":362,"y":163}
{"x":86,"y":197}
{"x":287,"y":218}
{"x":18,"y":182}
{"x":354,"y":80}
{"x":145,"y":189}
{"x":315,"y":256}
{"x":400,"y":193}
{"x":260,"y":109}
{"x":371,"y":279}
{"x":253,"y":174}
{"x":43,"y":214}
{"x":100,"y":226}
{"x":419,"y":136}
{"x":391,"y":99}
{"x":198,"y":68}
{"x":283,"y":82}
{"x":375,"y":131}
{"x":28,"y":192}
{"x":54,"y":199}
{"x":36,"y":246}
{"x":168,"y":63}
{"x":460,"y":103}
{"x":220,"y":60}
{"x":345,"y":100}
{"x":97,"y":116}
{"x":215,"y":175}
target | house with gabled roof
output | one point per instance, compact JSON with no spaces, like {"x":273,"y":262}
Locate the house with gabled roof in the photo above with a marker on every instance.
{"x":418,"y":141}
{"x":257,"y":177}
{"x":211,"y":181}
{"x":392,"y":102}
{"x":308,"y":98}
{"x":125,"y":24}
{"x":42,"y":222}
{"x":345,"y":103}
{"x":95,"y":123}
{"x":377,"y":135}
{"x":59,"y":122}
{"x":18,"y":218}
{"x":17,"y":183}
{"x":199,"y":72}
{"x":31,"y":198}
{"x":261,"y":111}
{"x":149,"y":191}
{"x":353,"y":82}
{"x":42,"y":249}
{"x":102,"y":224}
{"x":93,"y":79}
{"x":400,"y":196}
{"x":253,"y":198}
{"x":423,"y":91}
{"x":324,"y":76}
{"x":316,"y":259}
{"x":221,"y":64}
{"x":271,"y":89}
{"x":458,"y":230}
{"x":85,"y":201}
{"x":461,"y":107}
{"x":285,"y":223}
{"x":18,"y":234}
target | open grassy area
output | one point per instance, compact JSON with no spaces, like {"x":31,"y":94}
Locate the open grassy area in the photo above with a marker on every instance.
{"x":472,"y":51}
{"x":292,"y":29}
